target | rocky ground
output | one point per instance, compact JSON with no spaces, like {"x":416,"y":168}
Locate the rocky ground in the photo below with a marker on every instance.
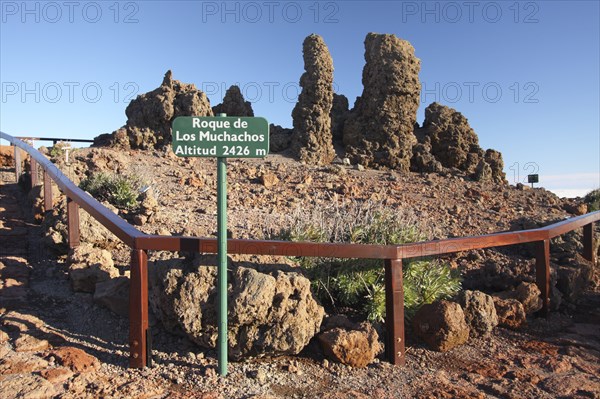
{"x":58,"y":343}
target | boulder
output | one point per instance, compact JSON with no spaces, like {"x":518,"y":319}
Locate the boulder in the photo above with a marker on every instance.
{"x":441,"y":325}
{"x":234,"y":104}
{"x":530,"y":296}
{"x":379,"y":129}
{"x":511,"y":313}
{"x":312,"y":141}
{"x":356,"y":347}
{"x":573,"y":279}
{"x":269,"y":313}
{"x":90,"y":265}
{"x":113,"y":294}
{"x":480,"y":313}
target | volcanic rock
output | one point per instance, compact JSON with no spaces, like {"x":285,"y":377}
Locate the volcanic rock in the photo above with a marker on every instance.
{"x":480,"y":313}
{"x":441,"y":325}
{"x":89,"y":265}
{"x":446,"y":133}
{"x":511,"y":313}
{"x":150,"y":115}
{"x":279,"y":138}
{"x":356,"y":347}
{"x":234,"y":104}
{"x":312,"y":140}
{"x":339,"y":114}
{"x":379,"y":129}
{"x":269,"y":314}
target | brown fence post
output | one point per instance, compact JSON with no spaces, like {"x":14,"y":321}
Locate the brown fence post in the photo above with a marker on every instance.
{"x":542,"y":273}
{"x":34,"y":172}
{"x":138,"y":309}
{"x":47,"y":192}
{"x":394,"y":312}
{"x":18,"y":169}
{"x":588,"y":242}
{"x":73,"y":222}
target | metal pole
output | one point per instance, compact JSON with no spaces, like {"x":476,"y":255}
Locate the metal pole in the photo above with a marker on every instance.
{"x":222,"y":264}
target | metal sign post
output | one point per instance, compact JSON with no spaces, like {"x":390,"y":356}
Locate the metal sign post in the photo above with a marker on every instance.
{"x":222,"y":263}
{"x":221,"y":137}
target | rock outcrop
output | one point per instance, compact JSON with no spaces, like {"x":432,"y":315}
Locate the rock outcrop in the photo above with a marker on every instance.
{"x":234,"y":104}
{"x":312,"y":140}
{"x":339,"y":114}
{"x":448,"y":137}
{"x":379,"y":129}
{"x":269,"y":314}
{"x":280,"y":138}
{"x":150,"y":115}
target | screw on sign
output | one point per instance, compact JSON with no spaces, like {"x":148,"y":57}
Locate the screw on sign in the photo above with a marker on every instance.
{"x":221,"y":137}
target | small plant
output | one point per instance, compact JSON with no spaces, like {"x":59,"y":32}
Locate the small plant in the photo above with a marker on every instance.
{"x":426,"y":282}
{"x":57,"y":150}
{"x":593,"y":200}
{"x":120,"y":191}
{"x":360,"y":283}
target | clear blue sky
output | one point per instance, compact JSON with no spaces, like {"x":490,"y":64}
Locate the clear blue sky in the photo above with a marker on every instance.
{"x":525,"y":74}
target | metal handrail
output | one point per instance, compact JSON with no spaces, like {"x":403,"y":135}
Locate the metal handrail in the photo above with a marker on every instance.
{"x":392,"y":254}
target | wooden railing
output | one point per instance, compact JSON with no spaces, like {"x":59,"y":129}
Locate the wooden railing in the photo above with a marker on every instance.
{"x":393,"y":255}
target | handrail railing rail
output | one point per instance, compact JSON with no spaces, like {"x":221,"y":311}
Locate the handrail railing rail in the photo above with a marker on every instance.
{"x":393,"y":255}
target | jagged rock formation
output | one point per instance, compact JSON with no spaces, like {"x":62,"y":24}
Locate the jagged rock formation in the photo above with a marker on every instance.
{"x":339,"y":114}
{"x":269,"y":313}
{"x":280,"y":138}
{"x":379,"y":130}
{"x":447,"y":137}
{"x":312,"y":141}
{"x":150,"y":115}
{"x":234,"y":104}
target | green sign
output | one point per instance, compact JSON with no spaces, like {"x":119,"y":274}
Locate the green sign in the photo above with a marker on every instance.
{"x":220,"y":136}
{"x":533,"y":178}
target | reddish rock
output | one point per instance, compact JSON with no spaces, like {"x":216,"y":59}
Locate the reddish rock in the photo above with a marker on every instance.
{"x":511,"y":313}
{"x":441,"y":325}
{"x":75,"y":359}
{"x":356,"y":348}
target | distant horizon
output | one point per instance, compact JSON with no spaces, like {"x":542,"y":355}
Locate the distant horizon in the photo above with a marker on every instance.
{"x":525,"y":74}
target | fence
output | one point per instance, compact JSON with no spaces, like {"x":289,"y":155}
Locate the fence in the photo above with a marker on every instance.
{"x":393,"y":255}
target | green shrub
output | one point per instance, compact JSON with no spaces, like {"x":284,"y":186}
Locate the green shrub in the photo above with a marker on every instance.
{"x":360,"y":283}
{"x":593,"y":200}
{"x":56,"y":151}
{"x":120,"y":191}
